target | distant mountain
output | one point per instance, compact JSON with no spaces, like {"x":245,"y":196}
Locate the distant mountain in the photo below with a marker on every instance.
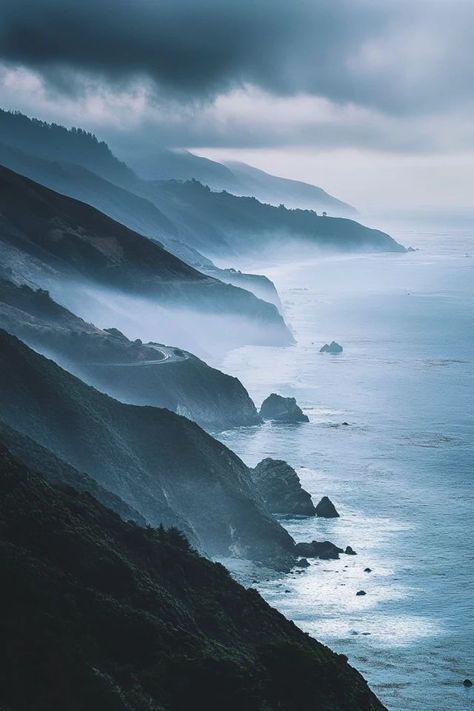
{"x":53,"y":239}
{"x":137,"y":213}
{"x":162,"y":465}
{"x":142,"y":374}
{"x":217,"y":224}
{"x":224,"y":225}
{"x":292,"y":193}
{"x":57,"y":143}
{"x":237,"y":178}
{"x":96,"y":613}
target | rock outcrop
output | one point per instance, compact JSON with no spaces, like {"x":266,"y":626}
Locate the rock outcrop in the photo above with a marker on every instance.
{"x":318,"y":549}
{"x":332,"y":347}
{"x":280,"y":488}
{"x":282,"y":409}
{"x":326,"y":509}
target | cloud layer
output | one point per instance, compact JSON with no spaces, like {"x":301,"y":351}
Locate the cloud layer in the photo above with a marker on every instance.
{"x":395,"y":75}
{"x":396,"y":56}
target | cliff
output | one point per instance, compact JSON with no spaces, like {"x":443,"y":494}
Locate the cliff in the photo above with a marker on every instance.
{"x":98,"y":613}
{"x":142,"y":374}
{"x":163,"y":465}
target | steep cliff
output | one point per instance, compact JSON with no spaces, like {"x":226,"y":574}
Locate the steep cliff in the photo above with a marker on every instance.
{"x":161,"y":464}
{"x":96,"y":613}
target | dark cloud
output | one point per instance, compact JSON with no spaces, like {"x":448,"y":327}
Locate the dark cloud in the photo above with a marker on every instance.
{"x":395,"y":56}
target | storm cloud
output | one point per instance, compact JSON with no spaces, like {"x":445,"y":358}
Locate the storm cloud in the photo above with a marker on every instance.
{"x":319,"y":90}
{"x":395,"y":57}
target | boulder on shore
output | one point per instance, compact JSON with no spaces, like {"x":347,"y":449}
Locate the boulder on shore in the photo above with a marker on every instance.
{"x":280,"y":488}
{"x":302,"y":563}
{"x":318,"y":549}
{"x":282,"y":409}
{"x":350,"y":551}
{"x":326,"y":509}
{"x":333,"y":348}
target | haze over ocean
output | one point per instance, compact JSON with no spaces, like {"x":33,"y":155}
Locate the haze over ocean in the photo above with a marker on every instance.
{"x":400,"y":474}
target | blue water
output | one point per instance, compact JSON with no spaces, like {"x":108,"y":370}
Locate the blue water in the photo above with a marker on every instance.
{"x":400,"y":474}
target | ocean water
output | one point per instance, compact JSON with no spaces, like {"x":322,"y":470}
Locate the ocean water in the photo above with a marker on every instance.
{"x":401,"y":473}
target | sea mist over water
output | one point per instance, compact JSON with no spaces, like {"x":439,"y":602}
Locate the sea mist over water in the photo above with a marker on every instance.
{"x":400,"y":474}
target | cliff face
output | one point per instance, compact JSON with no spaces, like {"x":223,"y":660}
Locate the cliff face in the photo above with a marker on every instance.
{"x":97,"y":613}
{"x":142,"y":374}
{"x":162,"y":465}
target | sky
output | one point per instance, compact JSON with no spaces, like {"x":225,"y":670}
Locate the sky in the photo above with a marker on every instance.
{"x":371,"y":99}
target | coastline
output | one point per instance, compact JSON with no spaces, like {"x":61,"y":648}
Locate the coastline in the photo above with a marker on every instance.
{"x":387,"y":473}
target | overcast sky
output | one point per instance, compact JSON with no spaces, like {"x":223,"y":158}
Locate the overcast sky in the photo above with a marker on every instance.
{"x":371,"y":99}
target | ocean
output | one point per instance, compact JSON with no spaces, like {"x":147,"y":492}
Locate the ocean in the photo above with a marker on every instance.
{"x":400,"y":474}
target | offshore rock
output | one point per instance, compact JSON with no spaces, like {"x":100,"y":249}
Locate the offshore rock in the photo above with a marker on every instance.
{"x":282,"y":409}
{"x":333,"y":348}
{"x":325,"y":550}
{"x":280,"y":488}
{"x":326,"y":509}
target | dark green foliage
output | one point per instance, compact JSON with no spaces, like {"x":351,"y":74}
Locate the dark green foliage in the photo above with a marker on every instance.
{"x":96,"y":613}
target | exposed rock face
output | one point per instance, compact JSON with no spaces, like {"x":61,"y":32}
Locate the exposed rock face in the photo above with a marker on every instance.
{"x":326,"y":509}
{"x":302,"y":563}
{"x":282,"y":409}
{"x":318,"y":549}
{"x":333,"y":348}
{"x":350,"y":551}
{"x":144,"y":374}
{"x":163,"y":465}
{"x":102,"y":614}
{"x":279,"y":486}
{"x":361,"y":593}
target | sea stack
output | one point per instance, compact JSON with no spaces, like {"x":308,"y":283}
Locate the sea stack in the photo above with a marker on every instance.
{"x":326,"y":509}
{"x":282,"y":409}
{"x":333,"y":348}
{"x":280,"y":488}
